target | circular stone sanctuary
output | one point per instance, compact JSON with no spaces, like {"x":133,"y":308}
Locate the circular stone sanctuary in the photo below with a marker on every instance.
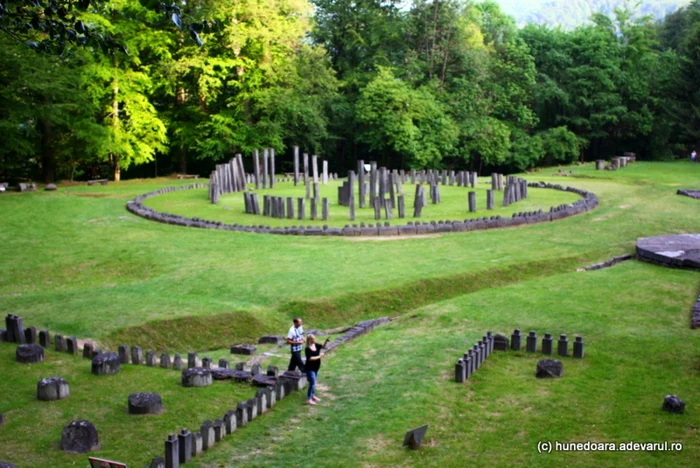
{"x":680,"y":250}
{"x":275,"y":207}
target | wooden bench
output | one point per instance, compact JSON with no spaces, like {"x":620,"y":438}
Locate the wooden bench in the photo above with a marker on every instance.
{"x":188,"y":176}
{"x":100,"y":181}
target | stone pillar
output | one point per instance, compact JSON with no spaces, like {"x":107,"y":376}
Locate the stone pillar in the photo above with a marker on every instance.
{"x":272,"y":168}
{"x":563,"y":346}
{"x":361,"y":181}
{"x":191,"y":360}
{"x":30,"y":335}
{"x":290,"y":208}
{"x":301,"y":207}
{"x":296,"y":165}
{"x":136,"y":355}
{"x":460,"y":371}
{"x":472,"y":202}
{"x":306,"y":169}
{"x":184,"y":439}
{"x":266,"y":169}
{"x":531,"y":342}
{"x":325,"y":172}
{"x":402,"y":207}
{"x":314,"y":167}
{"x":325,"y":209}
{"x":172,"y":452}
{"x":256,"y":168}
{"x":377,"y":208}
{"x":45,"y":338}
{"x":489,"y":200}
{"x":314,"y":206}
{"x":372,"y":182}
{"x":547,"y":344}
{"x":351,"y":200}
{"x":515,"y":340}
{"x":578,"y":347}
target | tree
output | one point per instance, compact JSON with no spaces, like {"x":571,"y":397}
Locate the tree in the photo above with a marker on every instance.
{"x":410,"y":124}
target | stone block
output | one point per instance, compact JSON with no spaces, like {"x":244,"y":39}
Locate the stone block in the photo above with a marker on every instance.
{"x":548,"y":368}
{"x":79,"y":437}
{"x":145,"y":403}
{"x":673,"y":404}
{"x":196,"y":377}
{"x":29,"y":353}
{"x":105,"y":364}
{"x":52,"y":388}
{"x":243,"y":349}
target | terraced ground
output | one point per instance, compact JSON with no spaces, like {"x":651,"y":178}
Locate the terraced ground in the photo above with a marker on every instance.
{"x":76,"y":262}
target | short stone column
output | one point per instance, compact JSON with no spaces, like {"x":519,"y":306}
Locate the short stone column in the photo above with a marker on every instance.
{"x":29,"y":353}
{"x":578,"y":347}
{"x":547,"y":344}
{"x":145,"y":403}
{"x":196,"y":377}
{"x":79,"y":437}
{"x":105,"y":364}
{"x":531,"y":342}
{"x":52,"y":388}
{"x":563,"y":346}
{"x":515,"y":340}
{"x":548,"y":368}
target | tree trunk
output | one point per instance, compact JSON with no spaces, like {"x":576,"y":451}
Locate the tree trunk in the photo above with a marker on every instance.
{"x":115,"y":120}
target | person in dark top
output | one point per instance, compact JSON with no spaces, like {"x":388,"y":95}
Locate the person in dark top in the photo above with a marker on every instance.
{"x":313,"y":364}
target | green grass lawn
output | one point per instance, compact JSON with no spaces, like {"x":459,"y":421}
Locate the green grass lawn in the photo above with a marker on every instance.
{"x":76,"y":262}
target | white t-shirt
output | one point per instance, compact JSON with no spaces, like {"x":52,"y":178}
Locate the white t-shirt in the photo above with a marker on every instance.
{"x":296,"y":334}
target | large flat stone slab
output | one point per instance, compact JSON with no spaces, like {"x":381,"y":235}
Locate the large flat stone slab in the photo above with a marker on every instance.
{"x":679,"y":251}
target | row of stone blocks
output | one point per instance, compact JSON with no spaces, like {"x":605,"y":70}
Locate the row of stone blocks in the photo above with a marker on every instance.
{"x":16,"y":333}
{"x":588,"y":202}
{"x":502,"y":344}
{"x":473,"y":359}
{"x":182,"y":447}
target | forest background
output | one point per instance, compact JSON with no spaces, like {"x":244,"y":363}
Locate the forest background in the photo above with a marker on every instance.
{"x":159,"y":88}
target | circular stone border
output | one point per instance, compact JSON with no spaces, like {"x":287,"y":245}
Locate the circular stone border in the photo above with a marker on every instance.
{"x":675,"y":250}
{"x":589,"y":201}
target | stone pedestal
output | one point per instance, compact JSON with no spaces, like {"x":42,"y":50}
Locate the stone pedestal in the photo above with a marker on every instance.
{"x":105,"y":364}
{"x":548,"y":368}
{"x":145,"y":403}
{"x":51,"y":389}
{"x":29,"y":353}
{"x":196,"y":377}
{"x":79,"y":437}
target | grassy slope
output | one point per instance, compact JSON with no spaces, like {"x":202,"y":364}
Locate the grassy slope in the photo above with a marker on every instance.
{"x":633,"y":318}
{"x":78,"y":263}
{"x":70,"y":256}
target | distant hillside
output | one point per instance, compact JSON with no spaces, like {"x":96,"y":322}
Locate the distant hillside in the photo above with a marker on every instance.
{"x":571,"y":13}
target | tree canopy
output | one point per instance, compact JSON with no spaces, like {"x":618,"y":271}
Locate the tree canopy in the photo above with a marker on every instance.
{"x":97,"y":87}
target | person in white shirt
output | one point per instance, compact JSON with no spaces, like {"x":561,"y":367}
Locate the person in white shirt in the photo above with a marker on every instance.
{"x":295,"y":338}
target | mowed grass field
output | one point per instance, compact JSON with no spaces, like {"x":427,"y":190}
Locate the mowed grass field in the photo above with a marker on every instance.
{"x":76,"y":262}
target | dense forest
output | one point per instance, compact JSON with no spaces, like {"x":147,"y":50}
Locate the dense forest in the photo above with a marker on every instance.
{"x":139,"y":88}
